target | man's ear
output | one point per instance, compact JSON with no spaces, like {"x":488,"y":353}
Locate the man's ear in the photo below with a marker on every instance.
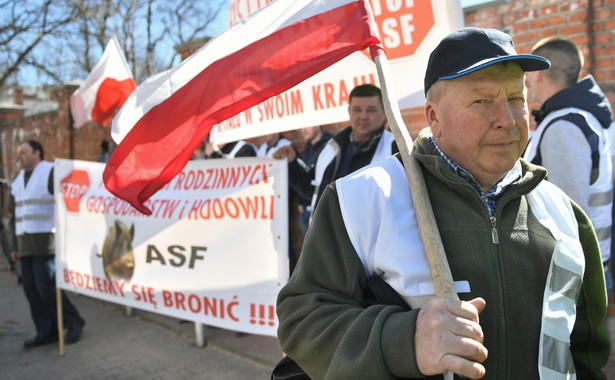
{"x":432,"y":117}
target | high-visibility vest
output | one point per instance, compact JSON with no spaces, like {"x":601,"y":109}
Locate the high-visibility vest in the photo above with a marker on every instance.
{"x":386,"y":192}
{"x":564,"y":280}
{"x":332,"y":151}
{"x":600,"y":202}
{"x":34,"y":206}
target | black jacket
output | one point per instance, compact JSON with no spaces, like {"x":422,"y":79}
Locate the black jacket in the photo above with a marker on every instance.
{"x":300,"y":175}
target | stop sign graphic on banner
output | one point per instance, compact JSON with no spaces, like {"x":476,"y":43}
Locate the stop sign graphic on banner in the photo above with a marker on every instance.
{"x":73,"y":187}
{"x":402,"y":25}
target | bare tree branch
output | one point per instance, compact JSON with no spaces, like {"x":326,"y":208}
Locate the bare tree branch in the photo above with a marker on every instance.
{"x":62,"y":40}
{"x":26,"y":26}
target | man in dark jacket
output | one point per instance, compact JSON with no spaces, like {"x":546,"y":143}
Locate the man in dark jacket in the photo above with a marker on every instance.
{"x":365,"y":141}
{"x":571,"y":139}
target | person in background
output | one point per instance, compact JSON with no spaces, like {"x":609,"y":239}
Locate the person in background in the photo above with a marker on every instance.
{"x":271,"y":143}
{"x":105,"y":151}
{"x":365,"y":141}
{"x":230,"y":150}
{"x":571,"y":139}
{"x":524,"y":257}
{"x":4,"y":242}
{"x":315,"y":140}
{"x":32,"y":224}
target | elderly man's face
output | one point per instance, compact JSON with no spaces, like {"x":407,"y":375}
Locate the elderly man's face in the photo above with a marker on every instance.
{"x":481,"y":120}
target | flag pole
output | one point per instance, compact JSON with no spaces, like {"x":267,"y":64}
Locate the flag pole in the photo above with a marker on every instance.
{"x":428,"y":228}
{"x":60,"y":320}
{"x":432,"y":243}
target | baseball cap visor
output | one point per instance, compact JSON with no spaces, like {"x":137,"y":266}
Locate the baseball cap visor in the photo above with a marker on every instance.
{"x":527,"y":62}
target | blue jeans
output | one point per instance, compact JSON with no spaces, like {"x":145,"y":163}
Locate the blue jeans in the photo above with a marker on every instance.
{"x":304,"y":221}
{"x":39,"y":285}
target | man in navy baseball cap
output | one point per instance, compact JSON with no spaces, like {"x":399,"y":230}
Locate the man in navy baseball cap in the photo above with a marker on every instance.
{"x":524,"y":258}
{"x":470,"y":49}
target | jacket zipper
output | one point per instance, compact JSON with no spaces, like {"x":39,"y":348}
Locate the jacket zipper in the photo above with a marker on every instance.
{"x":494,"y":231}
{"x":501,"y":366}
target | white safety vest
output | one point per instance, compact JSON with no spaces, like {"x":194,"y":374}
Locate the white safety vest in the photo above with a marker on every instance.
{"x":267,"y":151}
{"x":553,"y":210}
{"x":34,"y":206}
{"x":332,"y":150}
{"x":600,"y":202}
{"x":391,"y":247}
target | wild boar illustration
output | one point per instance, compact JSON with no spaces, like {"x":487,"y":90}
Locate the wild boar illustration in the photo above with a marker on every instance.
{"x":117,"y":255}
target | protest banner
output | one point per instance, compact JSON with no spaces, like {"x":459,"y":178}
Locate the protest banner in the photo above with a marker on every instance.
{"x":408,"y":30}
{"x":213,"y":251}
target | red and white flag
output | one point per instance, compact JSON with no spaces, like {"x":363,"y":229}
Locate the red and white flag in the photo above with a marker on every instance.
{"x":104,"y":90}
{"x":272,"y":50}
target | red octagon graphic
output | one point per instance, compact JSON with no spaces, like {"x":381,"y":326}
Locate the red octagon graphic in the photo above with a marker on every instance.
{"x":403,"y":25}
{"x":73,"y":187}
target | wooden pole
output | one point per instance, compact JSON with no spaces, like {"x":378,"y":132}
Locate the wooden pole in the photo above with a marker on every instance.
{"x":60,"y":320}
{"x":199,"y":335}
{"x":428,"y":228}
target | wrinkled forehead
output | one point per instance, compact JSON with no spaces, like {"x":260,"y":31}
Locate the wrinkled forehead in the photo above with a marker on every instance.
{"x":488,"y":82}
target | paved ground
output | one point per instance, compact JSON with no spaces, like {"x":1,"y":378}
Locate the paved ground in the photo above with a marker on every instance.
{"x":142,"y":346}
{"x":610,"y":367}
{"x":113,"y":346}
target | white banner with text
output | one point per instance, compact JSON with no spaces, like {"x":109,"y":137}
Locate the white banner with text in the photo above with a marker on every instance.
{"x":214,"y":250}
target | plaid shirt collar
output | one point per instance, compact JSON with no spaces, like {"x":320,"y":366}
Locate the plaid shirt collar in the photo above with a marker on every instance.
{"x":490,"y":197}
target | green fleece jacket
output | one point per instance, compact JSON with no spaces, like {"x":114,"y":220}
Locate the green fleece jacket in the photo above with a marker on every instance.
{"x":327,"y":326}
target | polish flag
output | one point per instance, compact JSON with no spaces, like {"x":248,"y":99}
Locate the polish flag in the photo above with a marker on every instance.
{"x":166,"y":118}
{"x":104,"y":90}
